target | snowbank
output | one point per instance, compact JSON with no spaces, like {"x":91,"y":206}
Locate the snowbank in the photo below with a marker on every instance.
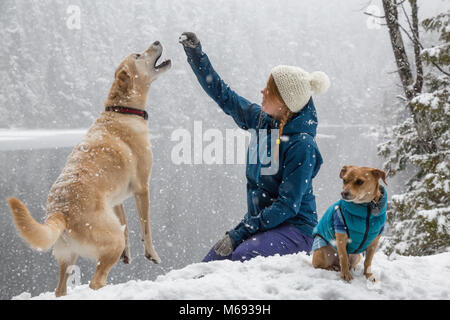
{"x":286,"y":277}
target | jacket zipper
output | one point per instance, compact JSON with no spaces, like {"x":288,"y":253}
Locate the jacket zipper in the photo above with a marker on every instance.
{"x":366,"y":233}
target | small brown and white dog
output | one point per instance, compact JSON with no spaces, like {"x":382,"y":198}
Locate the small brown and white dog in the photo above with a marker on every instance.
{"x":85,"y":215}
{"x":353,"y":224}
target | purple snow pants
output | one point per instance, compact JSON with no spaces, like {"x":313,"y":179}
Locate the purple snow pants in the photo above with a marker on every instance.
{"x":285,"y":239}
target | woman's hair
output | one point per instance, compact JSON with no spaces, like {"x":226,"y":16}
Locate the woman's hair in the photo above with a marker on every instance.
{"x":286,"y":113}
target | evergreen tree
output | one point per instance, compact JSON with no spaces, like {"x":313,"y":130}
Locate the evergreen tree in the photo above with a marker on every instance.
{"x":419,"y":218}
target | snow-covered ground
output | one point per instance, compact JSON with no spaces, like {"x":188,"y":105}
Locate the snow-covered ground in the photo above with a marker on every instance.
{"x":285,"y":277}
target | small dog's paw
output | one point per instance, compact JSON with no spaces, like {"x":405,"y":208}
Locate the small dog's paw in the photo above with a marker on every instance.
{"x":370,"y":277}
{"x":347,"y":276}
{"x":333,"y":268}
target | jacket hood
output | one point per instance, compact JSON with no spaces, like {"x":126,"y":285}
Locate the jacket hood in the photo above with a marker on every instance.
{"x":304,"y":121}
{"x":360,"y":209}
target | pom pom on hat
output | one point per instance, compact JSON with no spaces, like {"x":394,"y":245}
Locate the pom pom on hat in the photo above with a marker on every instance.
{"x":297,"y":85}
{"x":319,"y":82}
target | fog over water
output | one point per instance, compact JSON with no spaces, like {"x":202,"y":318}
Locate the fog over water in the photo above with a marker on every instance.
{"x":54,"y":80}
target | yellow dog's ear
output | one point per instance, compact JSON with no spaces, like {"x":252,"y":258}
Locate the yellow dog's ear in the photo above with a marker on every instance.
{"x":377,"y":173}
{"x":124,"y":80}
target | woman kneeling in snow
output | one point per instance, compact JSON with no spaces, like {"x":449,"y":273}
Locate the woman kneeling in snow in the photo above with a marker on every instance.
{"x":281,"y":205}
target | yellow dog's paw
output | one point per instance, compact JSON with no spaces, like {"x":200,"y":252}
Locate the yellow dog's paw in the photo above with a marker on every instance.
{"x":153,"y":257}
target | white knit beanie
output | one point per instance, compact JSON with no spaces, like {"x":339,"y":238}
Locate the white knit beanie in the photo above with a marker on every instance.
{"x":297,"y":85}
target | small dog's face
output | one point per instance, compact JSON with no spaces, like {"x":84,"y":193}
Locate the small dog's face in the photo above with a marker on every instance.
{"x":361,"y":184}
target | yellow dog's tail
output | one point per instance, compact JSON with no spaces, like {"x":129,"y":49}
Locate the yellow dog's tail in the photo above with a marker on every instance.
{"x":38,"y":236}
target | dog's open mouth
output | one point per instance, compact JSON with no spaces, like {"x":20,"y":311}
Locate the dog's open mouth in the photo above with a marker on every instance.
{"x":166,"y":62}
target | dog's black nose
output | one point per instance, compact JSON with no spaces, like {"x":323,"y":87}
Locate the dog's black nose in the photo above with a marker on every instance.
{"x":345,"y":194}
{"x":156,"y":43}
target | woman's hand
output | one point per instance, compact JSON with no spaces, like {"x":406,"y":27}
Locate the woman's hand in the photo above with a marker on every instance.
{"x":189,"y":39}
{"x":224,"y":247}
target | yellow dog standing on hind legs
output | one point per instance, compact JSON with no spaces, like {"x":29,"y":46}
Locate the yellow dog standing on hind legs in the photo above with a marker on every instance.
{"x":85,"y":215}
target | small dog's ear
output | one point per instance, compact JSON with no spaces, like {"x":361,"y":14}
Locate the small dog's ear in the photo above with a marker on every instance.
{"x":377,"y":173}
{"x":343,"y":171}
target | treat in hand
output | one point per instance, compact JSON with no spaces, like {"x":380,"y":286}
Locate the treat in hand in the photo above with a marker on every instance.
{"x":189,"y":39}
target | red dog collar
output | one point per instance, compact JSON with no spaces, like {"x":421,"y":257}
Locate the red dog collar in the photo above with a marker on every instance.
{"x":127,"y":110}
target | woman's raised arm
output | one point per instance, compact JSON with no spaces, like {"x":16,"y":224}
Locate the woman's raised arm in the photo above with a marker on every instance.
{"x":244,"y":113}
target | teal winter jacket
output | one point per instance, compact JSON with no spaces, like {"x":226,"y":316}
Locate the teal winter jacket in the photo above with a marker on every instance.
{"x":363,"y":222}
